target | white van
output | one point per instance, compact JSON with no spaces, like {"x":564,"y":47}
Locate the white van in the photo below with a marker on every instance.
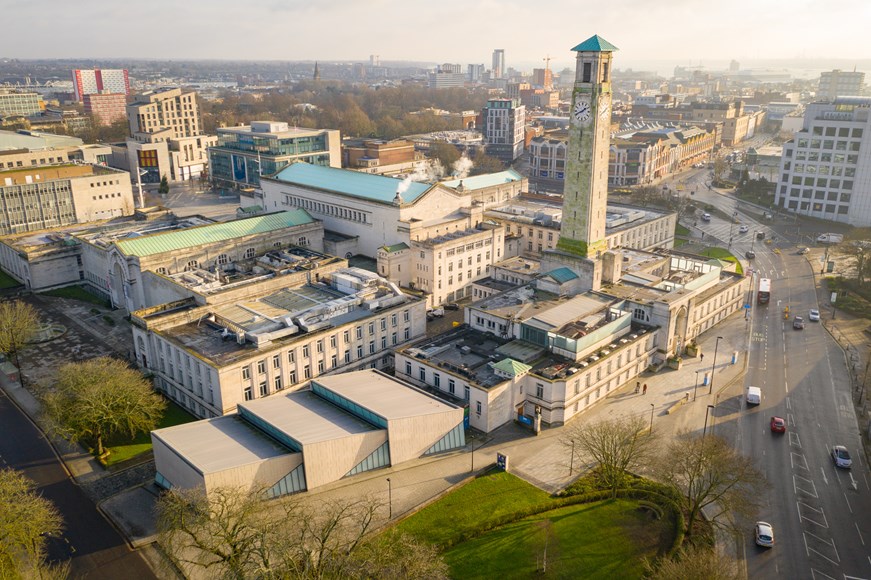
{"x":754,"y":395}
{"x":706,"y":217}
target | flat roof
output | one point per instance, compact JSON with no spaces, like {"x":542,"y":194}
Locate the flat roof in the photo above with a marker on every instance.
{"x":352,"y":183}
{"x":554,"y":316}
{"x":307,"y":418}
{"x":213,"y":445}
{"x":485,"y":180}
{"x":464,"y":352}
{"x":161,"y":242}
{"x":383,"y":395}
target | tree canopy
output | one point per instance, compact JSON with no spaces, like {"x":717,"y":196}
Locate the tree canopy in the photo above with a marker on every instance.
{"x":708,"y":472}
{"x":101,"y":397}
{"x":617,"y":446}
{"x":25,"y":519}
{"x":18,"y":323}
{"x":237,"y":533}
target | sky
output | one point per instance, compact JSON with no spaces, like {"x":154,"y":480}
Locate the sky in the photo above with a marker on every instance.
{"x":461,"y":31}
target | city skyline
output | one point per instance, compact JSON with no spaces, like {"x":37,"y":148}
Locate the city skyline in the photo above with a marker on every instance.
{"x":683,"y":34}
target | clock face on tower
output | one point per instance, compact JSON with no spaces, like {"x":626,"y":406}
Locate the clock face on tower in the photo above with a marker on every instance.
{"x":582,"y":111}
{"x":604,"y":109}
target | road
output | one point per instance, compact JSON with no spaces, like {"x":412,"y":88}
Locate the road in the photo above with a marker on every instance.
{"x":819,"y":513}
{"x":96,"y":549}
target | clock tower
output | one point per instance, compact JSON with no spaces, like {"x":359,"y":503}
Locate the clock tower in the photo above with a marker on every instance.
{"x":585,"y":194}
{"x":582,"y":246}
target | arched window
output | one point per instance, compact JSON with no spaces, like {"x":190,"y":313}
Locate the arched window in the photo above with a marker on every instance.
{"x":222,"y":259}
{"x":192,"y":265}
{"x":249,"y":253}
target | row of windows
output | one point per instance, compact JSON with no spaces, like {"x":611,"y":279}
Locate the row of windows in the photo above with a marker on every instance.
{"x":9,"y":164}
{"x":327,"y":209}
{"x":105,"y":183}
{"x":106,"y":196}
{"x":818,"y":207}
{"x":827,"y":144}
{"x":319,"y":347}
{"x":816,"y":194}
{"x":819,"y":130}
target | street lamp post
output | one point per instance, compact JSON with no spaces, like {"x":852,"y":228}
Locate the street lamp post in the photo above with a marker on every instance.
{"x":696,"y":386}
{"x":389,"y":500}
{"x":572,"y":459}
{"x":714,"y":365}
{"x":652,"y":408}
{"x":705,"y":430}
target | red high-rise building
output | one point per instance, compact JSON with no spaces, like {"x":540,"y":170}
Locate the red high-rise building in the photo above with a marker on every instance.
{"x":91,"y":82}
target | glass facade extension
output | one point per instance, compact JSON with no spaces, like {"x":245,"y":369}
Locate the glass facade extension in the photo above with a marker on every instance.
{"x":240,"y":159}
{"x":379,"y":458}
{"x":293,"y":482}
{"x":349,"y":406}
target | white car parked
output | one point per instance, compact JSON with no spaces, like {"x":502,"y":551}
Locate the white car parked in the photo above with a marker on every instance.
{"x":814,"y":315}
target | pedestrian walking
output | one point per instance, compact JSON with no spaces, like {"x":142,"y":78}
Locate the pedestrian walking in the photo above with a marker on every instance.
{"x":702,"y":357}
{"x":637,"y":387}
{"x":645,"y":389}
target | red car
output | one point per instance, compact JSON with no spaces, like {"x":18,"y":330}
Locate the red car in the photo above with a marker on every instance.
{"x":778,"y":425}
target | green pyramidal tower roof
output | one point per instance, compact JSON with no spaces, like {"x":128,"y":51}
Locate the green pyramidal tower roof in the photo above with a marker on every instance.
{"x":595,"y":44}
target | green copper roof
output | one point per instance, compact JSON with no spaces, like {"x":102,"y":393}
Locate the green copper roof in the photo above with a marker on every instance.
{"x":211,"y":233}
{"x":485,"y":180}
{"x":395,"y":247}
{"x":511,"y":367}
{"x":354,"y":183}
{"x":595,"y":44}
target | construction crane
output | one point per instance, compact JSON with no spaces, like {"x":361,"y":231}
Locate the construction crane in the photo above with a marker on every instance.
{"x":545,"y":82}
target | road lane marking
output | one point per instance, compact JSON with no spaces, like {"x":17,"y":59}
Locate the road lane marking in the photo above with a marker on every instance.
{"x":814,"y":572}
{"x":828,"y":543}
{"x":794,"y":439}
{"x":825,"y":522}
{"x":848,"y":502}
{"x":793,"y":456}
{"x":858,"y":531}
{"x":790,"y":419}
{"x":797,"y":486}
{"x":826,"y":479}
{"x":788,"y":403}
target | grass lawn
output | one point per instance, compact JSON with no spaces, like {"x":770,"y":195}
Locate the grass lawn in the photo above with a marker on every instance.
{"x":77,"y":293}
{"x":680,"y":230}
{"x":123,"y":448}
{"x":484,"y":499}
{"x":7,"y":281}
{"x":725,"y":255}
{"x":678,"y":242}
{"x":605,"y":540}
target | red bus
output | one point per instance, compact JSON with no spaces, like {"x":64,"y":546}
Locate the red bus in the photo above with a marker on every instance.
{"x":764,"y":293}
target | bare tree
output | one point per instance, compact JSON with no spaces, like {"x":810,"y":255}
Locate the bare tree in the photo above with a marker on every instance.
{"x":616,"y":445}
{"x":395,"y":556}
{"x":25,"y":520}
{"x":708,"y":472}
{"x":18,"y":324}
{"x":695,"y":563}
{"x":721,"y":166}
{"x":225,"y":533}
{"x":101,"y":397}
{"x":237,"y":533}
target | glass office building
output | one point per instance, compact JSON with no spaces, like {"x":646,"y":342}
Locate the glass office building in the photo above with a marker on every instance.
{"x":245,"y":153}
